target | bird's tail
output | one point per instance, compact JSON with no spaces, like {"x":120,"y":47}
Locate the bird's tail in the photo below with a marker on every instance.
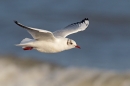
{"x":25,"y":42}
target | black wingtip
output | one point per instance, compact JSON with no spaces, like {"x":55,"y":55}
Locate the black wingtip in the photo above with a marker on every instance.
{"x":84,"y":19}
{"x":16,"y":22}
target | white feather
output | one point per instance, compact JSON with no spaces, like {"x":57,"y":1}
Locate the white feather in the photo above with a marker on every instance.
{"x":72,"y":28}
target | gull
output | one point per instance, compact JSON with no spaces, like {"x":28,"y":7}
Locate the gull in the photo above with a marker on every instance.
{"x":52,"y":42}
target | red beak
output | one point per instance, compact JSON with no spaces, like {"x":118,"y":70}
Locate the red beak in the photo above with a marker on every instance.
{"x":77,"y":46}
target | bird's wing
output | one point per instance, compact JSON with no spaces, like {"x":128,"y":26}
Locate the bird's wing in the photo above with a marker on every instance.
{"x":72,"y":28}
{"x":38,"y":34}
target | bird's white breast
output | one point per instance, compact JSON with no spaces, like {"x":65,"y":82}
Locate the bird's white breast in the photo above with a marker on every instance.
{"x":50,"y":46}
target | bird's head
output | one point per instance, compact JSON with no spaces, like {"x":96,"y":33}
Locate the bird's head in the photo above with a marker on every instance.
{"x":72,"y":44}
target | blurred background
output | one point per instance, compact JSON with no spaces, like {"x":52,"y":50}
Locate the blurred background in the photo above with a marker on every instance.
{"x":104,"y":44}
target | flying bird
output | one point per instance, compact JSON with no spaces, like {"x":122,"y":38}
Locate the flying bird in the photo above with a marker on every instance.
{"x":52,"y":42}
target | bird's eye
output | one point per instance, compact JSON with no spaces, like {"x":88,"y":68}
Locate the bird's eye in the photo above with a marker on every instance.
{"x":71,"y":43}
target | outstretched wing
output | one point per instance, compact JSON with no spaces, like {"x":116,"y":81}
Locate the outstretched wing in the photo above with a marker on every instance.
{"x":72,"y":28}
{"x":38,"y":34}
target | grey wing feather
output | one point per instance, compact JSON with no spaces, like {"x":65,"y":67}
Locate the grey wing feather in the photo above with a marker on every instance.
{"x":38,"y":34}
{"x":72,"y":28}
